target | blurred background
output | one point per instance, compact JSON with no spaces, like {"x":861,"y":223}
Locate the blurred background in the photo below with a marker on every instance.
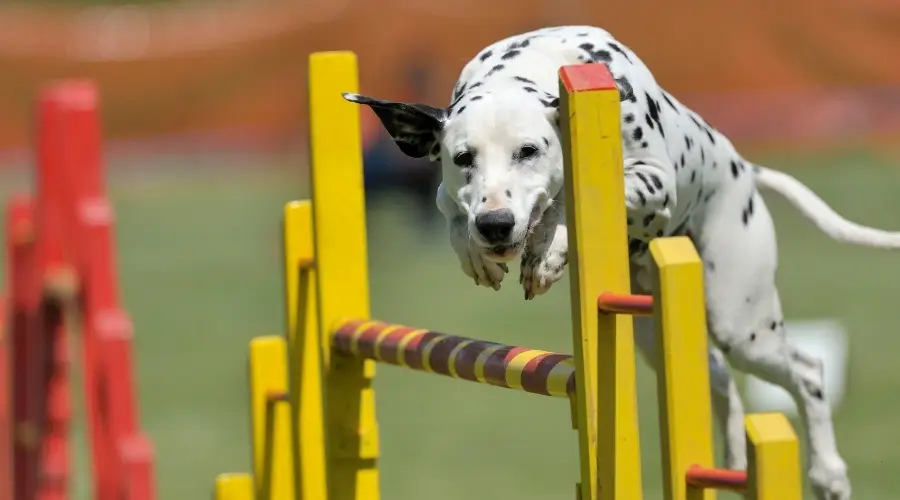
{"x":204,"y":118}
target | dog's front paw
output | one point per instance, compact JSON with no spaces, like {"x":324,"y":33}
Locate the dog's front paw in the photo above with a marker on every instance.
{"x":471,"y":258}
{"x":829,"y":480}
{"x":543,"y":262}
{"x":484,"y":272}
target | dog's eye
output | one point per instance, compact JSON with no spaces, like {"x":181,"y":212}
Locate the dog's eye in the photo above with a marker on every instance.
{"x":463,"y":159}
{"x":525,"y":152}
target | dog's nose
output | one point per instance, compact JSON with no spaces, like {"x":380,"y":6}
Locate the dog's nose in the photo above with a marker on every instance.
{"x":495,"y":226}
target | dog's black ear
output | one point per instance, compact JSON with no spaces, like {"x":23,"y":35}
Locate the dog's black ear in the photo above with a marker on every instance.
{"x":413,"y":127}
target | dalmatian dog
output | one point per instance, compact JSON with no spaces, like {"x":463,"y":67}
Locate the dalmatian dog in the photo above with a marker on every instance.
{"x":498,"y":143}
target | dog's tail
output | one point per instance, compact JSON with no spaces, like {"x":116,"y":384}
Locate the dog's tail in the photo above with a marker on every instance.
{"x":822,"y":215}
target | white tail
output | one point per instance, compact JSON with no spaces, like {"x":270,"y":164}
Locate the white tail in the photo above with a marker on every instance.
{"x":822,"y":215}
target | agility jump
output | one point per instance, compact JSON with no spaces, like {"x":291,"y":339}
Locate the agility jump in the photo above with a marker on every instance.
{"x":315,"y":433}
{"x":61,"y":264}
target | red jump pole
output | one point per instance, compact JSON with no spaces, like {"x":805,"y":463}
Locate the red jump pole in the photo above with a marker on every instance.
{"x":722,"y":479}
{"x":637,"y":305}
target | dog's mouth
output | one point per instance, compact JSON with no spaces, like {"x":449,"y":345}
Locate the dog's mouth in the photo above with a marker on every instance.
{"x":503,"y":253}
{"x":507,"y":251}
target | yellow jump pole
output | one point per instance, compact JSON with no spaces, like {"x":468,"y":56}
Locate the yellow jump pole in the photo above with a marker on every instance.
{"x":339,"y":223}
{"x":773,"y":454}
{"x":270,"y":419}
{"x":683,"y":376}
{"x":605,"y":402}
{"x":305,"y":347}
{"x":233,"y":486}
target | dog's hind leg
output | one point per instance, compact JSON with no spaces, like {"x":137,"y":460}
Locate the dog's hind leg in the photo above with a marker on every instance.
{"x":737,"y":242}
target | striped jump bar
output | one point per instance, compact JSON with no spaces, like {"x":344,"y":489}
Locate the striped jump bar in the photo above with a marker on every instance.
{"x":721,"y":479}
{"x":529,"y":370}
{"x":619,"y":303}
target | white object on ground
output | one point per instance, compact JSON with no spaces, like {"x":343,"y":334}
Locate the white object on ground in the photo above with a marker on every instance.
{"x":825,"y":339}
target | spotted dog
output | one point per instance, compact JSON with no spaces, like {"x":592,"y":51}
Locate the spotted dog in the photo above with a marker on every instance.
{"x":498,"y":144}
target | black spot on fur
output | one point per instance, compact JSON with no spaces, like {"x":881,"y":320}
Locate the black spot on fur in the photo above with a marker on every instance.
{"x":546,"y":141}
{"x":619,"y":50}
{"x":649,"y":122}
{"x":583,"y":34}
{"x":519,"y":45}
{"x":710,"y":135}
{"x":645,"y":145}
{"x":659,"y":233}
{"x":688,"y":143}
{"x":459,"y":90}
{"x":648,"y":219}
{"x":813,"y":390}
{"x":669,"y":102}
{"x":494,"y":70}
{"x":643,"y":179}
{"x":693,"y":176}
{"x":747,"y":212}
{"x":752,"y":336}
{"x":510,"y":54}
{"x":709,"y":196}
{"x":735,"y":172}
{"x":711,"y":265}
{"x":666,"y":201}
{"x":629,"y":118}
{"x":654,"y":112}
{"x":524,"y":80}
{"x":483,"y":57}
{"x":682,"y":160}
{"x":477,"y":98}
{"x":460,"y":110}
{"x":773,"y":325}
{"x":476,"y":84}
{"x":552,"y":103}
{"x":626,"y":91}
{"x":702,"y":155}
{"x":629,"y":221}
{"x":656,"y":182}
{"x":637,"y":133}
{"x":529,"y":89}
{"x":699,"y":194}
{"x":596,"y":55}
{"x":643,"y":198}
{"x":636,"y":247}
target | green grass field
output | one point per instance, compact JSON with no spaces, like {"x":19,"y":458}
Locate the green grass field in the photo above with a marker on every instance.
{"x":199,"y":261}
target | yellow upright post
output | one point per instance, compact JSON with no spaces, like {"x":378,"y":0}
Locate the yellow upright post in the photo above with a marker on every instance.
{"x":270,"y":419}
{"x":342,"y":274}
{"x":683,"y":374}
{"x":773,"y":454}
{"x":233,"y":486}
{"x":305,"y":347}
{"x":606,"y":407}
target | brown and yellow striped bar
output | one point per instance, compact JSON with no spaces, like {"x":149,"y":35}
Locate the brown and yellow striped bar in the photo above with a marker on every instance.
{"x":520,"y":368}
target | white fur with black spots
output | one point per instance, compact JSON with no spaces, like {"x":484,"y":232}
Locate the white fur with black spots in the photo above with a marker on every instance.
{"x":499,"y":148}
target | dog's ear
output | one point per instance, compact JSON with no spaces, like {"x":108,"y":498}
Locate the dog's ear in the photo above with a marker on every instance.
{"x":413,"y":127}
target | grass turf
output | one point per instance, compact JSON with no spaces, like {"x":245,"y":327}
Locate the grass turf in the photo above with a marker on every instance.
{"x":199,"y":262}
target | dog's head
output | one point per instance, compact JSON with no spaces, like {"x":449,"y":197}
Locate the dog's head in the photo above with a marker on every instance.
{"x":499,"y":151}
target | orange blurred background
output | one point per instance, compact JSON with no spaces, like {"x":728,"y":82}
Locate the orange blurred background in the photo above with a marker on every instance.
{"x":233,"y":74}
